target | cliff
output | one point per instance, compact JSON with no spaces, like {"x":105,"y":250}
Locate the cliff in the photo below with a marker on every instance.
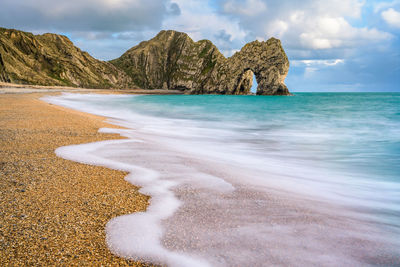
{"x":172,"y":60}
{"x":51,"y":59}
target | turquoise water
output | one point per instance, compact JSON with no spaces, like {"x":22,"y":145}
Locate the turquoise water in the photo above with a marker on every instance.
{"x":345,"y":144}
{"x":350,"y":142}
{"x":359,"y":132}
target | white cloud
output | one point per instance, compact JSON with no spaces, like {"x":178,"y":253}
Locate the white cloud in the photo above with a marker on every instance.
{"x":392,"y":17}
{"x":311,"y":40}
{"x":385,"y":5}
{"x":318,"y":62}
{"x":337,"y":8}
{"x":246,"y":8}
{"x":202,"y":22}
{"x":308,"y":25}
{"x":313,"y":67}
{"x":85,"y":15}
{"x":277,"y":28}
{"x":336,"y":32}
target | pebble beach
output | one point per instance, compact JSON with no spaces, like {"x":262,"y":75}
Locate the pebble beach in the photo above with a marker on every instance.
{"x":54,"y":211}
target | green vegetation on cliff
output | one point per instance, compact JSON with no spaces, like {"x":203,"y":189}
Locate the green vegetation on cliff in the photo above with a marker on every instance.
{"x":171,"y":60}
{"x":51,"y":59}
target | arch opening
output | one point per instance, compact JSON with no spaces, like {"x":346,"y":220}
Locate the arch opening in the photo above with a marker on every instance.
{"x":245,"y":81}
{"x":253,"y":89}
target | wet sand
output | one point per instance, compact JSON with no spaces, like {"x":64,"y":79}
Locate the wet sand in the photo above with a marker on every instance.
{"x":54,"y":211}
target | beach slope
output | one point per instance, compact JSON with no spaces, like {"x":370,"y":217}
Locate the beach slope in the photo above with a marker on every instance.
{"x":54,"y":211}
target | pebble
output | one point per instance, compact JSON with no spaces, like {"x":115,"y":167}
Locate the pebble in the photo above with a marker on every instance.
{"x":56,"y":209}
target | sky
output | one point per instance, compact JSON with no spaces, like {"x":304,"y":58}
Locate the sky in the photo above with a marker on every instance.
{"x":332,"y":45}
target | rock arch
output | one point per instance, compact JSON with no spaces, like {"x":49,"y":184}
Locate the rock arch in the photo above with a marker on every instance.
{"x":269,"y":63}
{"x":172,"y":60}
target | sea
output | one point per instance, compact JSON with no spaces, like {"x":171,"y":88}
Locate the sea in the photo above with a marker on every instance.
{"x":310,"y":179}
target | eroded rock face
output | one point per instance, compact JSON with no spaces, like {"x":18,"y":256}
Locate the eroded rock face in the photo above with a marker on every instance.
{"x":3,"y":74}
{"x":52,"y":59}
{"x":269,"y":63}
{"x":172,"y":60}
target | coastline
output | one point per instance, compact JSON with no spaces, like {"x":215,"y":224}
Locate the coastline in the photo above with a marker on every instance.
{"x":54,"y":211}
{"x":287,"y":220}
{"x":12,"y":88}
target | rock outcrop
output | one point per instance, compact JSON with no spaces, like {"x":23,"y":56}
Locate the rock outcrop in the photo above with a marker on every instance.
{"x":267,"y":60}
{"x":51,"y":59}
{"x":3,"y":73}
{"x":172,"y":60}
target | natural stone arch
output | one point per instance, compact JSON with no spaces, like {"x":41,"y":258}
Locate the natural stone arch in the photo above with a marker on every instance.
{"x":172,"y":60}
{"x":269,"y":63}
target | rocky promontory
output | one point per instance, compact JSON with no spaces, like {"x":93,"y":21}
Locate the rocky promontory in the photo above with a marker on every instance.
{"x":171,"y":60}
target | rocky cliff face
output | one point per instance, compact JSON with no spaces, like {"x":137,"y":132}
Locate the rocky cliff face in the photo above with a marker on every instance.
{"x":51,"y":59}
{"x":3,"y":73}
{"x":172,"y":60}
{"x":267,"y":60}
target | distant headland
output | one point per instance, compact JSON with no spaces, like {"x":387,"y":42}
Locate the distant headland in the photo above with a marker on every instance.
{"x":171,"y":60}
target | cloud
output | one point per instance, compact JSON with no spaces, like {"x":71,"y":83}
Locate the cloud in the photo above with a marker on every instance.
{"x":334,"y":32}
{"x":313,"y":66}
{"x":201,"y":21}
{"x":392,"y":17}
{"x":318,"y":62}
{"x":379,"y":6}
{"x":246,"y":8}
{"x":304,"y":26}
{"x":174,"y":9}
{"x":307,"y":25}
{"x":86,"y":15}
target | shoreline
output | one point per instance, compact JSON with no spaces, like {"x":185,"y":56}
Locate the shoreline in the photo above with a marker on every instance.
{"x":214,"y":204}
{"x":25,"y":88}
{"x":54,"y":211}
{"x":282,"y":210}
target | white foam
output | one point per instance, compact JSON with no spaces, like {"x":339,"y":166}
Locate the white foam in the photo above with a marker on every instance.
{"x":136,"y":235}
